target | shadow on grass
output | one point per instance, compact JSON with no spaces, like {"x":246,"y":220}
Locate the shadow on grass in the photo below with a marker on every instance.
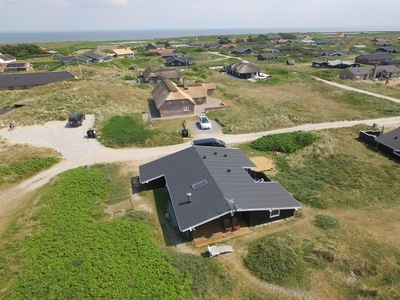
{"x":171,"y":234}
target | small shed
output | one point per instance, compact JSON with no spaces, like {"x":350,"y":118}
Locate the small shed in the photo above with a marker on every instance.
{"x":290,"y":62}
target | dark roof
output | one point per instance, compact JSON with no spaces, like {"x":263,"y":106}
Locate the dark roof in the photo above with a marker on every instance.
{"x":375,"y":56}
{"x":367,"y":70}
{"x":164,"y":73}
{"x":241,"y":50}
{"x":387,"y":48}
{"x":331,"y":52}
{"x":94,"y":55}
{"x":224,"y":186}
{"x":184,"y":59}
{"x":264,"y":55}
{"x":242,"y":67}
{"x":390,"y":139}
{"x":33,"y":79}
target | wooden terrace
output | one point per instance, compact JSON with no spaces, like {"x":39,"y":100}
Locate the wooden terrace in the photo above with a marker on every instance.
{"x":219,"y":230}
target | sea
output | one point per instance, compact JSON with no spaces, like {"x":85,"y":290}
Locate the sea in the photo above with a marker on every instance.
{"x":137,"y":35}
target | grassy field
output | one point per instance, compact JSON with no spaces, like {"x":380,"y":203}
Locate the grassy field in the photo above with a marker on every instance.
{"x":340,"y":245}
{"x":345,"y":239}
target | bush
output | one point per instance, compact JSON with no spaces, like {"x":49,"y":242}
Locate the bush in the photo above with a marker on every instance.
{"x":276,"y":259}
{"x":326,"y":222}
{"x":73,"y":254}
{"x":285,"y":142}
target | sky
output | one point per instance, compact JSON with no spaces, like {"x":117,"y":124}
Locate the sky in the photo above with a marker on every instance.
{"x":84,"y":15}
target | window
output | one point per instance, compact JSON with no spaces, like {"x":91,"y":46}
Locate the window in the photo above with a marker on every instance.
{"x":186,"y":108}
{"x":274,"y":213}
{"x":199,"y":184}
{"x":11,"y":88}
{"x":24,"y":87}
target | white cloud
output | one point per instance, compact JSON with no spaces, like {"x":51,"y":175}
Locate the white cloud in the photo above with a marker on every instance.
{"x":117,"y":2}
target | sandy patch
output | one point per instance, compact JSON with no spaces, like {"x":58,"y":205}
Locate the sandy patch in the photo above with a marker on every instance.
{"x":263,"y":164}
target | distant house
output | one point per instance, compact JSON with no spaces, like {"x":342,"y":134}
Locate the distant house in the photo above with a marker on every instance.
{"x":283,"y":42}
{"x":16,"y":66}
{"x":86,"y":58}
{"x":179,"y":61}
{"x":212,"y":45}
{"x":333,"y":53}
{"x":389,"y":49}
{"x":195,"y":44}
{"x":122,"y":53}
{"x":380,"y":40}
{"x":6,"y":58}
{"x":364,"y":73}
{"x":241,"y":50}
{"x":388,"y":143}
{"x":161,"y":51}
{"x":151,"y":75}
{"x":329,"y":42}
{"x":97,"y":58}
{"x":334,"y":64}
{"x":305,"y":39}
{"x":66,"y":60}
{"x":242,"y":70}
{"x":171,"y":99}
{"x":155,"y":46}
{"x":372,"y":59}
{"x":267,"y":56}
{"x":340,"y":35}
{"x":173,"y":54}
{"x":208,"y":184}
{"x":28,"y":81}
{"x":393,"y":62}
{"x":359,"y":47}
{"x":227,"y":46}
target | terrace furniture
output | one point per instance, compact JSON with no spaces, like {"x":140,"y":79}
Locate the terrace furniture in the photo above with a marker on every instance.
{"x":227,"y":225}
{"x":235,"y":224}
{"x":217,"y":250}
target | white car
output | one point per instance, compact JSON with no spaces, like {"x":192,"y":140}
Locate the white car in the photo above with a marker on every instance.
{"x":204,"y":122}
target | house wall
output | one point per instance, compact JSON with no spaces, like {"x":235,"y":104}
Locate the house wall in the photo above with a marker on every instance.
{"x":200,"y":100}
{"x":387,"y":150}
{"x":176,"y":108}
{"x":17,"y":87}
{"x":255,"y":218}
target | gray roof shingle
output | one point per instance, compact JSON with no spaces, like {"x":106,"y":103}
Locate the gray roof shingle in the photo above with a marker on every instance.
{"x":227,"y":187}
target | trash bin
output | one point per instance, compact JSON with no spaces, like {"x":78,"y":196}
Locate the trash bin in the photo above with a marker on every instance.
{"x":185,"y":133}
{"x":91,"y":134}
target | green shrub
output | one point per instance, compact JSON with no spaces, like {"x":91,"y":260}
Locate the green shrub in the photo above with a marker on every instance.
{"x":285,"y":142}
{"x":73,"y":254}
{"x":123,"y":131}
{"x":277,"y":259}
{"x":326,"y":222}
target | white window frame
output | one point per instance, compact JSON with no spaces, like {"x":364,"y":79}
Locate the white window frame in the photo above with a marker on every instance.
{"x":273,"y":213}
{"x":186,"y":108}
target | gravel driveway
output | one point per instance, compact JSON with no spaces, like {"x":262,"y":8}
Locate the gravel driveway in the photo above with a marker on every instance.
{"x":71,"y":142}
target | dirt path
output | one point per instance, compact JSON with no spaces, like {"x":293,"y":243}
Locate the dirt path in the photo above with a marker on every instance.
{"x":345,"y":87}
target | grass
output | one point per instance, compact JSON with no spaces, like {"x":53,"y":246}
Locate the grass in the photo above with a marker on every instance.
{"x":20,"y":162}
{"x":122,"y":131}
{"x":73,"y":253}
{"x":337,"y":177}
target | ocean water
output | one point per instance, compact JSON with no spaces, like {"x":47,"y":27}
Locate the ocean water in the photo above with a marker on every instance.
{"x":135,"y":35}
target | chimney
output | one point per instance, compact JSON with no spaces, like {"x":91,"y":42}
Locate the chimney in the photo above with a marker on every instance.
{"x":375,"y":71}
{"x":189,"y":196}
{"x":185,"y":85}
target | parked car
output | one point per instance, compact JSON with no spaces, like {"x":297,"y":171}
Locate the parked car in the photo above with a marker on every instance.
{"x":211,"y":142}
{"x":204,"y":122}
{"x":76,"y":119}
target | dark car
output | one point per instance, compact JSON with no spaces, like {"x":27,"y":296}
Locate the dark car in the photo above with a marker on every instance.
{"x":76,"y":119}
{"x":211,"y":142}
